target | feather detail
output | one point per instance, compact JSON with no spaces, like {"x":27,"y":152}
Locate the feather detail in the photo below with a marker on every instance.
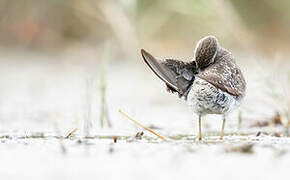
{"x":225,"y":74}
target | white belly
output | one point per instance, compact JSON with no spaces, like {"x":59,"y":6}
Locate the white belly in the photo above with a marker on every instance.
{"x":204,"y":98}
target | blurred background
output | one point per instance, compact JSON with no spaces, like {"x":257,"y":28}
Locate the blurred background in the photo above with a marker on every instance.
{"x":171,"y":26}
{"x":78,"y":62}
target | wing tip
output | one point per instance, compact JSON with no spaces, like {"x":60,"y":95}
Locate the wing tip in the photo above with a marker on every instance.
{"x":146,"y":55}
{"x":142,"y":51}
{"x":150,"y":60}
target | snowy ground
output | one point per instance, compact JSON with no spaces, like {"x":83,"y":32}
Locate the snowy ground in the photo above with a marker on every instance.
{"x":42,"y":102}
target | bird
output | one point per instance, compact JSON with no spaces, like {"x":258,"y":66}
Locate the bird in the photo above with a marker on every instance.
{"x":211,"y":82}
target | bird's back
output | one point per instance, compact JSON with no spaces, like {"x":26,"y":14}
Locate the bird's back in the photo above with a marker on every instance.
{"x":225,"y":74}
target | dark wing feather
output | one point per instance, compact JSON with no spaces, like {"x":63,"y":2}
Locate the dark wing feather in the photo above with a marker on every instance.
{"x":225,"y":74}
{"x":177,"y":75}
{"x":184,"y":74}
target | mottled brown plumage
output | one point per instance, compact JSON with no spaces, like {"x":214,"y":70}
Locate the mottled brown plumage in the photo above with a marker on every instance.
{"x":225,"y":74}
{"x":205,"y":52}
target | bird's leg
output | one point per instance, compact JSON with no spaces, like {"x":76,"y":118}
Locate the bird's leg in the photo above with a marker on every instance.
{"x":223,"y":127}
{"x":199,"y":128}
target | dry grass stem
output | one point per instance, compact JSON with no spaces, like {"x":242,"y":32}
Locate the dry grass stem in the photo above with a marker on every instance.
{"x":71,"y":133}
{"x":139,"y":124}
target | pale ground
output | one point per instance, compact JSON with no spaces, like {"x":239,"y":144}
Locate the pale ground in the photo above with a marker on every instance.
{"x":41,"y":101}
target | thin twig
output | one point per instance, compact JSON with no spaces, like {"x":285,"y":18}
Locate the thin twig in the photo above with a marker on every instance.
{"x":137,"y":123}
{"x":71,"y":133}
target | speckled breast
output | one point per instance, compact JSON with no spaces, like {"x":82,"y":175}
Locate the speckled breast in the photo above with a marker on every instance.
{"x":204,"y":98}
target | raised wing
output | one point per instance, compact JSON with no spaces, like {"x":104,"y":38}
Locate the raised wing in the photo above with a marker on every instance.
{"x":177,"y":75}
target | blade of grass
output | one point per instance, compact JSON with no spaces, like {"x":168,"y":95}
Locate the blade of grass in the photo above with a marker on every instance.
{"x":104,"y":114}
{"x":141,"y":125}
{"x":103,"y":93}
